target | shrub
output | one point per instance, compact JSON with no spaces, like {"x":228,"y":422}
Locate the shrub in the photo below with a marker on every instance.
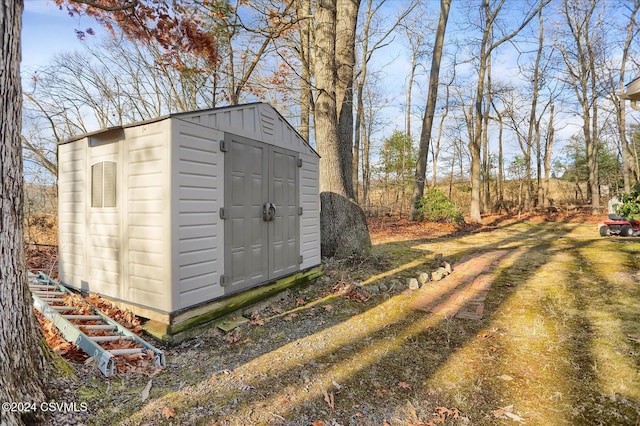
{"x":629,"y":205}
{"x":434,"y":206}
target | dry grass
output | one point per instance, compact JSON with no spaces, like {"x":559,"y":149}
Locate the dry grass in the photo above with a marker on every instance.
{"x":559,"y":343}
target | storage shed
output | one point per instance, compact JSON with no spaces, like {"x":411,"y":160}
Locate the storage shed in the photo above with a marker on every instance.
{"x":169,"y":214}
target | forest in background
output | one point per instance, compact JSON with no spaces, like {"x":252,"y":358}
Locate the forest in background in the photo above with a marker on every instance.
{"x":550,"y":105}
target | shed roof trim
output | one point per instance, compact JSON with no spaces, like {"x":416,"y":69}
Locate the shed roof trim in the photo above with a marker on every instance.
{"x":183,"y":114}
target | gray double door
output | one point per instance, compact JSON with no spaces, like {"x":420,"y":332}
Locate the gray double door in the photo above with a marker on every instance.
{"x":262,"y":222}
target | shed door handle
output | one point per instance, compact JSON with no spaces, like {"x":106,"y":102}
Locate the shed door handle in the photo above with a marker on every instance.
{"x":268,"y":212}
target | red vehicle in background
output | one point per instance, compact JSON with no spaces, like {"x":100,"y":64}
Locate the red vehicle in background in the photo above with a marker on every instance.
{"x":620,"y":225}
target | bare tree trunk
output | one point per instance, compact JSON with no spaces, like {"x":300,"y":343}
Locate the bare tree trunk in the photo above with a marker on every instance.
{"x":362,"y":76}
{"x":412,"y":73}
{"x":532,"y":117}
{"x":356,"y":146}
{"x":486,"y":47}
{"x":304,"y":9}
{"x":547,"y":155}
{"x":475,"y":144}
{"x":366,"y":169}
{"x":436,"y":149}
{"x":343,"y":224}
{"x":579,"y":57}
{"x":23,"y":377}
{"x":540,"y":191}
{"x":427,"y":122}
{"x":629,"y":169}
{"x":346,"y":22}
{"x":500,"y":182}
{"x":485,"y":142}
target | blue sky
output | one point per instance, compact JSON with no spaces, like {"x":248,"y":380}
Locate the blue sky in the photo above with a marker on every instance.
{"x":46,"y":30}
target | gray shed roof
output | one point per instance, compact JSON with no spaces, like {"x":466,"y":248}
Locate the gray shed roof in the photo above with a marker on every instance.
{"x":114,"y":129}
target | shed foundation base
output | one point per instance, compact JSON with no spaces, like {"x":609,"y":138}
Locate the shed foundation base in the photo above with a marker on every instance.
{"x":176,"y":327}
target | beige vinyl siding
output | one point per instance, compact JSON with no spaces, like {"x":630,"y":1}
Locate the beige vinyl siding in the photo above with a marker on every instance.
{"x":261,"y":122}
{"x":104,"y":253}
{"x":310,"y":220}
{"x":71,"y":207}
{"x":147,"y":216}
{"x":254,"y":121}
{"x":155,"y":239}
{"x":197,"y":197}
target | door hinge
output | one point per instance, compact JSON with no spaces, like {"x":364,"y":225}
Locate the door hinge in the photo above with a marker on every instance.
{"x":224,"y":146}
{"x":300,"y":259}
{"x":299,"y":162}
{"x":223,"y":213}
{"x":300,"y":211}
{"x":223,"y":280}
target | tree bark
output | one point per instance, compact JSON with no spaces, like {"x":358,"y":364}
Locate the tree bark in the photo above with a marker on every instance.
{"x":343,"y":224}
{"x":629,"y":171}
{"x":346,"y":22}
{"x":486,"y":48}
{"x":429,"y":113}
{"x":22,"y":364}
{"x":533,"y":118}
{"x":579,"y":58}
{"x":362,"y":75}
{"x":304,"y":9}
{"x":547,"y":155}
{"x":486,"y":176}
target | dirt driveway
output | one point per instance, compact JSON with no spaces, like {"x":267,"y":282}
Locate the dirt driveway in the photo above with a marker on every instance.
{"x":539,"y":323}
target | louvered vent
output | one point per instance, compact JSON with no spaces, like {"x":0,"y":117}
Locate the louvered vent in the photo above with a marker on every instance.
{"x":103,"y":184}
{"x":96,"y":185}
{"x":109,"y":184}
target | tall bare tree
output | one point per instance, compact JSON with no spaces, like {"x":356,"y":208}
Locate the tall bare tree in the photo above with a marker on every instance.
{"x":548,"y":147}
{"x":305,"y":101}
{"x":23,"y":377}
{"x":429,"y":114}
{"x":581,"y":52}
{"x":488,"y":45}
{"x":373,"y":37}
{"x":344,"y":227}
{"x":24,"y":372}
{"x":435,"y":148}
{"x":629,"y":166}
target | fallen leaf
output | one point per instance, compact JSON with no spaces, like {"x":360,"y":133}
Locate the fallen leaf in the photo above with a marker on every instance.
{"x":256,"y":319}
{"x":146,"y":390}
{"x":514,"y":417}
{"x":327,"y":307}
{"x":233,"y":338}
{"x":444,"y":413}
{"x":290,"y":317}
{"x":300,"y":301}
{"x":317,"y":423}
{"x":283,"y":399}
{"x":502,"y":412}
{"x":168,"y":412}
{"x":404,"y":385}
{"x":336,"y":385}
{"x":329,"y":399}
{"x":505,"y":377}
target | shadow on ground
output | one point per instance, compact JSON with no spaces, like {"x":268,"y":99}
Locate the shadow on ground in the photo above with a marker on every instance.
{"x":555,"y":345}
